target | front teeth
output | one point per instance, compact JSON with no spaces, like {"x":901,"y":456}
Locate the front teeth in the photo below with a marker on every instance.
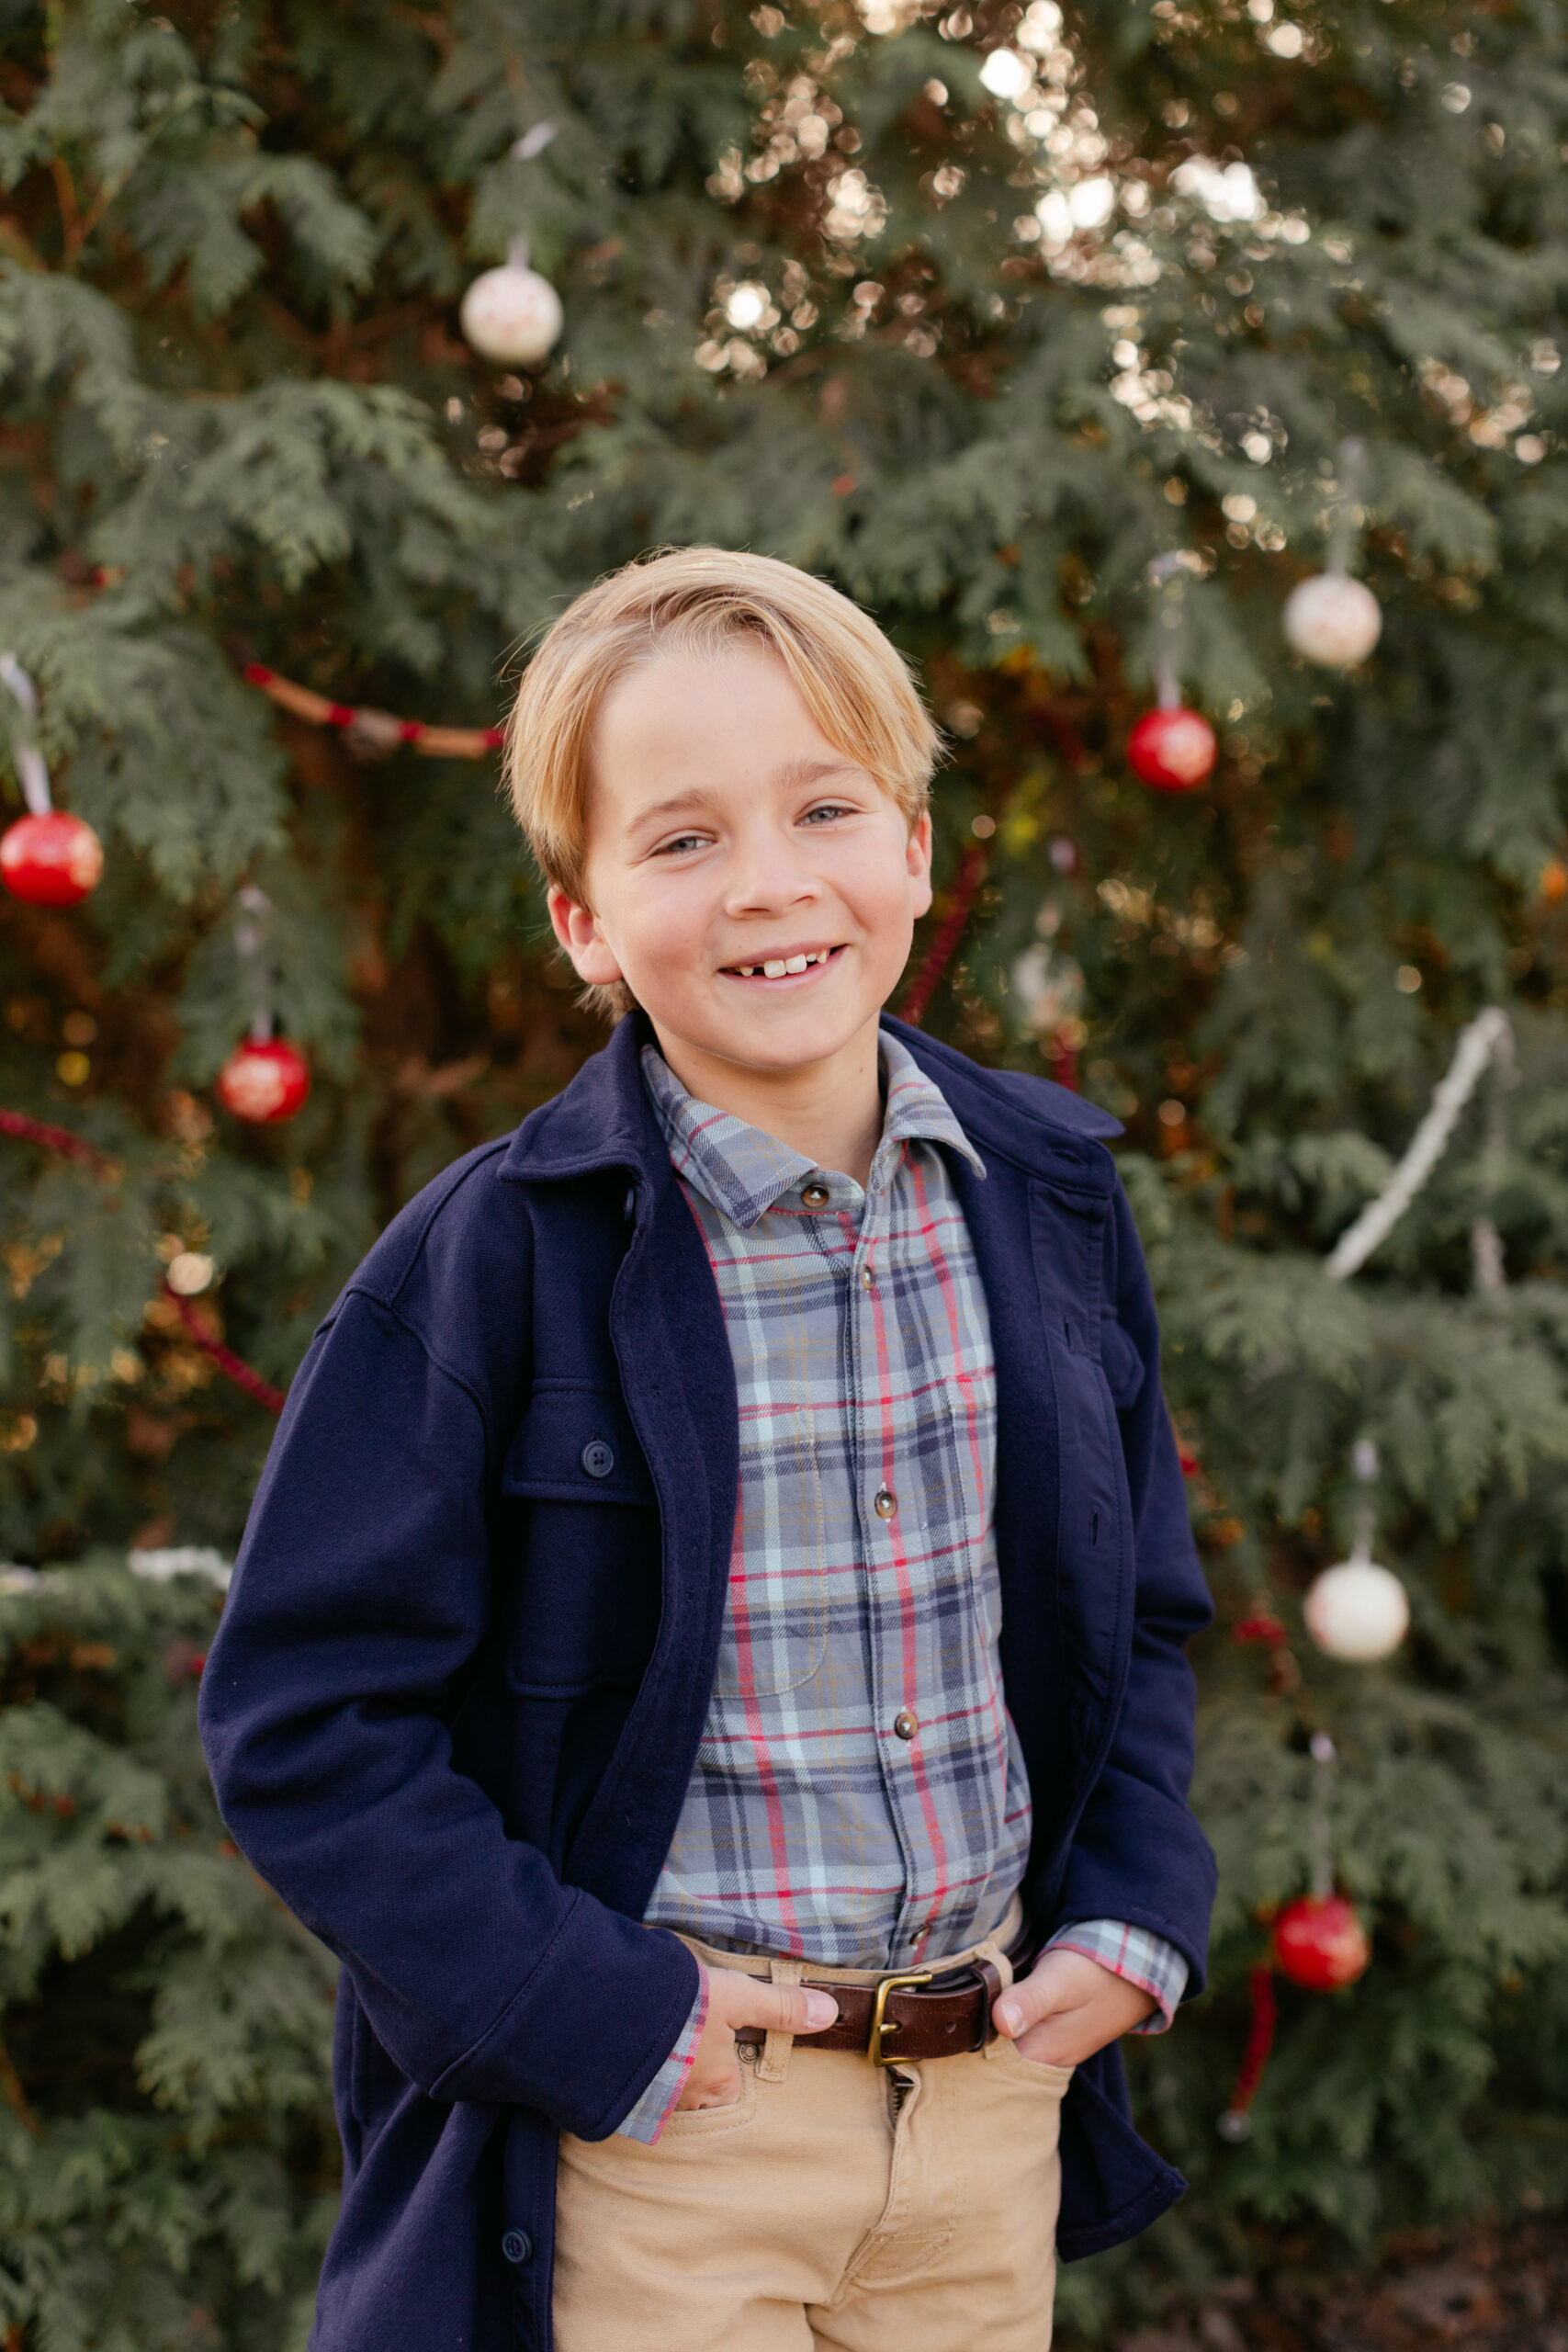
{"x":780,"y":964}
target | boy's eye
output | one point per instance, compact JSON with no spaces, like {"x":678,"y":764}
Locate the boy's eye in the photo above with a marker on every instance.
{"x":825,"y":812}
{"x":679,"y":844}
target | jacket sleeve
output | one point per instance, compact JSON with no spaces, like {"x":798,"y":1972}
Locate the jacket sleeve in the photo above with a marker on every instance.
{"x":1138,"y":1854}
{"x":361,"y":1592}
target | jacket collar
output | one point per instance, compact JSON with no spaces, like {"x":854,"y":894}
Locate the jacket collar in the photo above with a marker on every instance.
{"x":744,"y":1173}
{"x":604,"y":1119}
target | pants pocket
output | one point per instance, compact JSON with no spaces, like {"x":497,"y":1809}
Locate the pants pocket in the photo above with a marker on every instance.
{"x":703,"y":2122}
{"x":1055,"y":2079}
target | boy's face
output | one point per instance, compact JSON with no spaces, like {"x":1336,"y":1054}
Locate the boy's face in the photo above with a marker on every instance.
{"x":727,"y":841}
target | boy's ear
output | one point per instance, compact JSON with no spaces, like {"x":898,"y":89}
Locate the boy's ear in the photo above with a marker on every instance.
{"x":918,"y":863}
{"x":577,"y":928}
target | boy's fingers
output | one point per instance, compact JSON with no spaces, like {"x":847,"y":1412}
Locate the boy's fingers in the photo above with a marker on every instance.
{"x":1011,"y":2016}
{"x":1038,"y":1995}
{"x":787,"y":2008}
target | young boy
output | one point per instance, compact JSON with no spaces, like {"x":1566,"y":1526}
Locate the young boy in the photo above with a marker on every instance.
{"x":707,"y":1653}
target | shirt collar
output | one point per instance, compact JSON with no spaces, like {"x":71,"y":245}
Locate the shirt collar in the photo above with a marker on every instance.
{"x":743,"y":1171}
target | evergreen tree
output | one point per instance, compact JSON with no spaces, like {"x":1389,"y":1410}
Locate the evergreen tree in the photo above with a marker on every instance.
{"x":980,"y":310}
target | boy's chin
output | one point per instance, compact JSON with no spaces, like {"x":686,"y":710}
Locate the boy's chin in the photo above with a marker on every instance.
{"x":776,"y":1042}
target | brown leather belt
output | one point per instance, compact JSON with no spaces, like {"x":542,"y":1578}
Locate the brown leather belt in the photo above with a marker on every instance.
{"x":916,"y":2013}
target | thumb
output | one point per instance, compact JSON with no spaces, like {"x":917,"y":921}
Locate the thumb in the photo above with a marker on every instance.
{"x":786,"y":2009}
{"x":1033,"y":1997}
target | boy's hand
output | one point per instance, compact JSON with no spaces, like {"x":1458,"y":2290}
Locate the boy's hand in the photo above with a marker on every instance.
{"x":1067,"y":2007}
{"x":746,"y":2005}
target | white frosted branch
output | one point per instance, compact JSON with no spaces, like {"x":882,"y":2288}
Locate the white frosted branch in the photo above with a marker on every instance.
{"x":1478,"y":1042}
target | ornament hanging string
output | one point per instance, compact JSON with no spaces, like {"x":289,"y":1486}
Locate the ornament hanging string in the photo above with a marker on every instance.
{"x":1167,"y":575}
{"x":70,"y":1147}
{"x":1487,"y":1040}
{"x":252,"y":909}
{"x":1344,"y":527}
{"x":31,"y":773}
{"x":266,"y":1080}
{"x":1329,"y":617}
{"x":1485,"y":1241}
{"x":1172,"y":748}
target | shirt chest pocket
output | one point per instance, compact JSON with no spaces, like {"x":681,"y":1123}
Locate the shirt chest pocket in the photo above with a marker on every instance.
{"x":579,"y":1544}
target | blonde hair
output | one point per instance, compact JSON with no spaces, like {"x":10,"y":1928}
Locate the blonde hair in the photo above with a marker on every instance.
{"x":699,"y":602}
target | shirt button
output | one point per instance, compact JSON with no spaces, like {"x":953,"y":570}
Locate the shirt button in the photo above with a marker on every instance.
{"x":598,"y":1459}
{"x":885,"y":1503}
{"x":867,"y":1278}
{"x":517,"y":2246}
{"x":815,"y":1196}
{"x":905,"y":1723}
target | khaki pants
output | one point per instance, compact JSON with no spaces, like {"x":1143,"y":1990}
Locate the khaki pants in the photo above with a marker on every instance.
{"x":906,"y":2208}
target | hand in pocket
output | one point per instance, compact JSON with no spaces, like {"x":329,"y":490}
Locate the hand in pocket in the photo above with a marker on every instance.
{"x":1067,"y":2007}
{"x":747,"y":2005}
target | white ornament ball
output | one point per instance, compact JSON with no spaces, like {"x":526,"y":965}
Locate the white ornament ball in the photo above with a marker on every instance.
{"x":1333,"y":619}
{"x":511,"y":315}
{"x":1357,"y":1611}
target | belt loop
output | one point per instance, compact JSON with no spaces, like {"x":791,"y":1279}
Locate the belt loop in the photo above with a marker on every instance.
{"x":777,"y":2047}
{"x":996,"y":1973}
{"x":991,"y":1950}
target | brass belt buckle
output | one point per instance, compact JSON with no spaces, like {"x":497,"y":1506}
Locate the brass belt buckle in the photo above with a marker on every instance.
{"x":881,"y":2024}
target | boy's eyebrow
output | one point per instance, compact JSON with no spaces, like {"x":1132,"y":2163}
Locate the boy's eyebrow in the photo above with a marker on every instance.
{"x":793,"y":772}
{"x":813,"y":770}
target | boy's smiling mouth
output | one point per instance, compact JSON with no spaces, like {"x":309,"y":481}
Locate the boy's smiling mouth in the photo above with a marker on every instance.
{"x":782,"y":967}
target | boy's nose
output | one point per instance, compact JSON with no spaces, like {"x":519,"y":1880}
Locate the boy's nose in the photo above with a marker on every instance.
{"x":768,"y":877}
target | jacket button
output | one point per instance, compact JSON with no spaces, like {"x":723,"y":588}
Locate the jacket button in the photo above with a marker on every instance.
{"x":905,"y":1723}
{"x":598,"y":1459}
{"x":885,"y":1503}
{"x":517,"y":2245}
{"x":815,"y":1196}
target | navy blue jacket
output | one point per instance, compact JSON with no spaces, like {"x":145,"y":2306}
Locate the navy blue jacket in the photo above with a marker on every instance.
{"x":456,"y":1699}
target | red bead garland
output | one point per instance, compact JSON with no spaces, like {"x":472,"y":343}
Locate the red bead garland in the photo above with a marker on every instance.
{"x":232,"y":1366}
{"x":373,"y":732}
{"x":934,"y":963}
{"x":1236,"y":2124}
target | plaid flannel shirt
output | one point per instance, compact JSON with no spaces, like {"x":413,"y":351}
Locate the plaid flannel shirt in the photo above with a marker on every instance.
{"x":858,"y":1798}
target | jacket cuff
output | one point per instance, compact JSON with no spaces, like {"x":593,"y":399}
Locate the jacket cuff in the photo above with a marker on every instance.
{"x":652,"y":2111}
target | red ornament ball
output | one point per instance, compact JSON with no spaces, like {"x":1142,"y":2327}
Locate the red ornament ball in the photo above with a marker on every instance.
{"x":1320,"y":1943}
{"x":264,"y":1080}
{"x":50,"y":861}
{"x":1172,"y":751}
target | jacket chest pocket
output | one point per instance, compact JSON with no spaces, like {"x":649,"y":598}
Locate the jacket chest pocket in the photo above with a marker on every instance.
{"x":579,"y":1544}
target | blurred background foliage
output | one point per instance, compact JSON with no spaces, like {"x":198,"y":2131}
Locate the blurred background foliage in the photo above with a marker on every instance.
{"x":978,"y":311}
